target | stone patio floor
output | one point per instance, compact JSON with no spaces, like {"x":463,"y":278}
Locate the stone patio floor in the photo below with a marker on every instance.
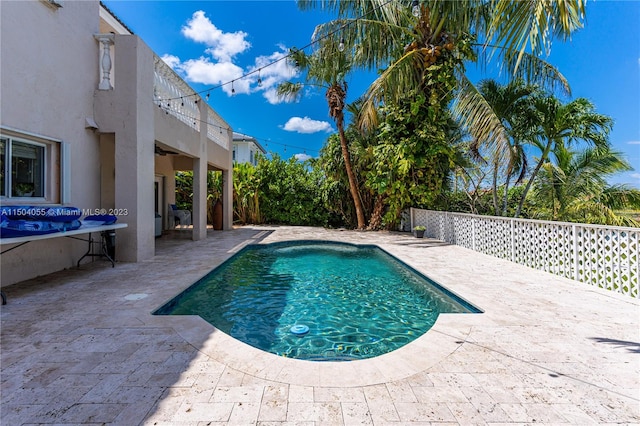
{"x":81,"y":347}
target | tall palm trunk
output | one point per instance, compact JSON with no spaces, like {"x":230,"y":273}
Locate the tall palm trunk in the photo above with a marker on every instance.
{"x":336,"y":95}
{"x":496,"y":210}
{"x":353,"y":185}
{"x":543,"y":158}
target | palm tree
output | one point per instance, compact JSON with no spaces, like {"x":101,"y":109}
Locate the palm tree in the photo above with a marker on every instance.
{"x":561,"y":125}
{"x":514,"y":32}
{"x":511,"y":103}
{"x":327,"y":67}
{"x":574,"y":188}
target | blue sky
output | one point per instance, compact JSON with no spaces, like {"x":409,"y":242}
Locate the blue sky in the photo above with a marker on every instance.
{"x":211,"y":43}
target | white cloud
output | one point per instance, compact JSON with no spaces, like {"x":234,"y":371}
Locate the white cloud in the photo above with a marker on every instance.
{"x":306,"y":125}
{"x":202,"y":70}
{"x":273,"y":75}
{"x":222,"y":46}
{"x":216,"y":66}
{"x":635,"y":175}
{"x":171,"y":60}
{"x":302,"y":157}
{"x":633,"y":143}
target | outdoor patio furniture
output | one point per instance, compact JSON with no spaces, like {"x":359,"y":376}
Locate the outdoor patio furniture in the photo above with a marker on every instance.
{"x":180,"y":217}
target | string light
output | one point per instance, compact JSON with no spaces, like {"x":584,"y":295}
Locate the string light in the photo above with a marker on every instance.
{"x":415,"y":8}
{"x":259,"y":79}
{"x":341,"y":45}
{"x":226,"y":129}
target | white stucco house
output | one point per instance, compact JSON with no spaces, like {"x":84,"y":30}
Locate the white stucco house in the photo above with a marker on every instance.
{"x":101,"y":122}
{"x":246,"y":149}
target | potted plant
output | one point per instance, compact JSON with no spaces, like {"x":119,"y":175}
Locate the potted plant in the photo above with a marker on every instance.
{"x":24,"y":189}
{"x":419,"y":230}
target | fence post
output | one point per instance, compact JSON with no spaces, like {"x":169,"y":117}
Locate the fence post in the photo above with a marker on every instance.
{"x":411,"y":219}
{"x":513,"y":240}
{"x":576,"y":258}
{"x":473,"y":233}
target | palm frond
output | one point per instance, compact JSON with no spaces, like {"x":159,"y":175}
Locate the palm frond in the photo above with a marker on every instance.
{"x":531,"y":25}
{"x":475,"y":114}
{"x":289,"y":91}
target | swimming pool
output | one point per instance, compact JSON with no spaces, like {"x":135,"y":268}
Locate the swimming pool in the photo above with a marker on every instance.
{"x":317,"y":300}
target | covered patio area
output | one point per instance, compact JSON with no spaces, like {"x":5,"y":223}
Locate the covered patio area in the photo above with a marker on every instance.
{"x":81,"y":346}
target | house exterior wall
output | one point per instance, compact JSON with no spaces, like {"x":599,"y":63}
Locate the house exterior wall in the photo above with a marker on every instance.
{"x":48,"y":73}
{"x":52,"y":85}
{"x":244,"y":150}
{"x":127,"y":112}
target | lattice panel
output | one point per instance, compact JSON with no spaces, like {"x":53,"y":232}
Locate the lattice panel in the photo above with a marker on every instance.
{"x":493,"y":237}
{"x":462,"y":230}
{"x":608,"y":258}
{"x":603,"y":256}
{"x":436,"y":226}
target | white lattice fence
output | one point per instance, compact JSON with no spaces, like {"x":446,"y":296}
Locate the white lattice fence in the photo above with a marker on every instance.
{"x":598,"y":255}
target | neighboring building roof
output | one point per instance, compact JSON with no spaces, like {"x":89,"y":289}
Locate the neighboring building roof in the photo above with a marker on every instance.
{"x":240,"y":137}
{"x":104,"y":6}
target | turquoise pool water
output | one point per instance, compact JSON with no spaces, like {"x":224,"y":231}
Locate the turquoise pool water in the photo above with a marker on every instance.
{"x":355,"y":301}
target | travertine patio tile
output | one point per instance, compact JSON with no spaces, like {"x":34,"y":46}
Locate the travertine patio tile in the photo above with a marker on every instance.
{"x":338,"y":395}
{"x":300,"y":393}
{"x":440,"y":394}
{"x":356,"y":413}
{"x":231,"y":377}
{"x":274,"y":404}
{"x":244,"y":413}
{"x":237,"y":394}
{"x":167,"y":405}
{"x":76,"y":359}
{"x":329,"y":412}
{"x":401,"y":392}
{"x":90,"y":413}
{"x":433,"y":412}
{"x":204,"y":412}
{"x":466,"y":413}
{"x":15,"y":414}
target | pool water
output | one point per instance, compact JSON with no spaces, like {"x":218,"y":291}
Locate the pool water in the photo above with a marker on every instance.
{"x":356,"y":301}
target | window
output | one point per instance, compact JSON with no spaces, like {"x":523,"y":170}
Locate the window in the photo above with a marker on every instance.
{"x":251,"y":158}
{"x":234,"y":154}
{"x":22,"y":167}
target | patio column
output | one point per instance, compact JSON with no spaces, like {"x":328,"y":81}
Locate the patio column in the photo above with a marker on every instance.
{"x":199,"y":214}
{"x":131,"y":113}
{"x":227,"y":199}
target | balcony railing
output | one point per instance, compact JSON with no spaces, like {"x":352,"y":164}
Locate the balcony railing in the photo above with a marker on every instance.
{"x":604,"y":256}
{"x":170,"y":92}
{"x":174,"y":96}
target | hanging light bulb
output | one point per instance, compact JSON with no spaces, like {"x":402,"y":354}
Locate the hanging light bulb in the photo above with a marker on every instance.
{"x":341,"y":45}
{"x":415,"y":8}
{"x":259,"y":78}
{"x":207,"y":95}
{"x":233,"y":91}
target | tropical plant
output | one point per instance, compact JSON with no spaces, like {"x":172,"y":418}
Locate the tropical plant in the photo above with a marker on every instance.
{"x":575,"y":187}
{"x":560,"y":126}
{"x":246,"y":186}
{"x":512,"y":105}
{"x":327,"y":67}
{"x":386,"y":35}
{"x":414,"y":154}
{"x":335,"y":182}
{"x":290,"y":193}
